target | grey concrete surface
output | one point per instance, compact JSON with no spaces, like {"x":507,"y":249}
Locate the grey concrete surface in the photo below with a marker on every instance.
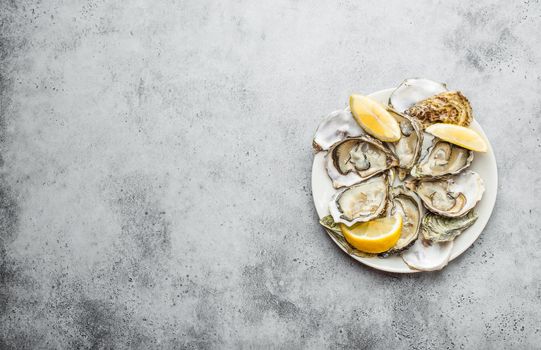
{"x":155,"y":174}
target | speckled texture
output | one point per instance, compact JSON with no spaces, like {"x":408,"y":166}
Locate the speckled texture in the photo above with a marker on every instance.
{"x":155,"y":174}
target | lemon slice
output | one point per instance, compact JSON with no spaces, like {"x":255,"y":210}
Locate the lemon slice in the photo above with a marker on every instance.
{"x":376,"y":236}
{"x":374,"y":118}
{"x":459,"y":135}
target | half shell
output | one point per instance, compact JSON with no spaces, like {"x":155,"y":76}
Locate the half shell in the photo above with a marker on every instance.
{"x":360,"y":203}
{"x":335,"y":127}
{"x":451,"y":196}
{"x":442,"y":158}
{"x":441,"y":229}
{"x":411,"y":91}
{"x":447,"y":107}
{"x":406,"y":203}
{"x":354,"y":160}
{"x":408,"y":148}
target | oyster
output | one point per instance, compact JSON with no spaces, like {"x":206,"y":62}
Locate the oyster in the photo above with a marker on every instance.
{"x":354,"y":160}
{"x":360,"y":203}
{"x":427,"y":256}
{"x":442,"y":158}
{"x":335,"y":127}
{"x":408,"y":148}
{"x":441,"y":229}
{"x":447,"y":107}
{"x":409,"y":206}
{"x":411,"y":91}
{"x":451,"y":196}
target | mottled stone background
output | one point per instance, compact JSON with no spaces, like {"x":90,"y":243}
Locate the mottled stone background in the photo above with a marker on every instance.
{"x":155,"y":174}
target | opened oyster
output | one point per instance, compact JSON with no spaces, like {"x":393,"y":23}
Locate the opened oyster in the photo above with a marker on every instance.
{"x":411,"y":91}
{"x":356,"y":159}
{"x":360,"y":203}
{"x":447,"y":107}
{"x":408,"y":205}
{"x":335,"y":127}
{"x":451,"y":196}
{"x":443,"y":158}
{"x":408,"y":148}
{"x":438,"y":228}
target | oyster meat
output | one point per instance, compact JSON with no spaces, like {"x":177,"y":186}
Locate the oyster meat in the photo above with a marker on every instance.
{"x":451,"y":196}
{"x":438,"y":228}
{"x":442,"y":158}
{"x":360,"y":203}
{"x":408,"y":205}
{"x":447,"y":107}
{"x":354,"y":160}
{"x":411,"y":91}
{"x":335,"y":127}
{"x":408,"y":148}
{"x":427,"y":256}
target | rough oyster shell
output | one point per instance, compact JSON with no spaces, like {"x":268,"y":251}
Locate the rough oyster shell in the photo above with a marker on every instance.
{"x":362,"y":202}
{"x":413,"y":90}
{"x":451,"y":196}
{"x":450,"y":107}
{"x":408,"y":148}
{"x":438,"y":228}
{"x":334,"y":128}
{"x":442,"y":158}
{"x":356,"y":159}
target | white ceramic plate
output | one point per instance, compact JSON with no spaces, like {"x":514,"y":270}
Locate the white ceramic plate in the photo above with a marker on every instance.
{"x":483,"y":163}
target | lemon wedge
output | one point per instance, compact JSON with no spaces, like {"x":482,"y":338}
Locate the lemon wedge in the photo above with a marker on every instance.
{"x":374,"y":118}
{"x":459,"y":135}
{"x":376,"y":236}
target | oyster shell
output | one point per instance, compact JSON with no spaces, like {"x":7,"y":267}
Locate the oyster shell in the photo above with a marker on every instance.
{"x":427,"y":256}
{"x":329,"y":224}
{"x":442,"y":158}
{"x":335,"y":127}
{"x":451,"y":196}
{"x":409,"y":206}
{"x":354,"y":160}
{"x":447,"y":107}
{"x":360,"y":203}
{"x":411,"y":91}
{"x":438,"y":228}
{"x":408,"y":148}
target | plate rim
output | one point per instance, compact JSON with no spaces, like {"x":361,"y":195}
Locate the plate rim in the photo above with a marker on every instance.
{"x":454,"y":254}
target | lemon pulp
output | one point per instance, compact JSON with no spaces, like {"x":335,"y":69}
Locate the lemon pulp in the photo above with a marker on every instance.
{"x":374,"y":236}
{"x":374,"y":118}
{"x":458,"y":135}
